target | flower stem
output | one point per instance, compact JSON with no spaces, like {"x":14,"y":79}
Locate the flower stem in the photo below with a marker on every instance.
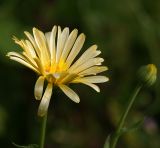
{"x":43,"y":131}
{"x":124,"y":115}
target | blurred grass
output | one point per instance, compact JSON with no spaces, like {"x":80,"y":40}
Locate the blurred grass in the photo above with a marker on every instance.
{"x":127,"y":33}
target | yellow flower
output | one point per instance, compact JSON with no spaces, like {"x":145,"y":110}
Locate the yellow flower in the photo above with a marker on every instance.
{"x":53,"y":57}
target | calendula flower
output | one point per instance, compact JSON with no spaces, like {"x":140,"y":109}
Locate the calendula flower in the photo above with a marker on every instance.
{"x":53,"y":57}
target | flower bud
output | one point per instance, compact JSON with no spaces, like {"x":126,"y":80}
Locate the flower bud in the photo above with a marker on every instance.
{"x":148,"y":74}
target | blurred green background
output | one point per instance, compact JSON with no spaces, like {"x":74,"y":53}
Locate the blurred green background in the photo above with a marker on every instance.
{"x":128,"y":34}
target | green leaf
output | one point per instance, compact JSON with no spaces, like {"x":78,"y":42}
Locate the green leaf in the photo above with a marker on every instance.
{"x":107,"y":142}
{"x":26,"y":146}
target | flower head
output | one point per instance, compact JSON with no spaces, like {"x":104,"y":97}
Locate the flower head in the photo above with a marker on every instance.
{"x":53,"y":57}
{"x":148,"y":74}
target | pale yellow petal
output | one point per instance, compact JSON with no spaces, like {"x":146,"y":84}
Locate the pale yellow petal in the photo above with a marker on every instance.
{"x":30,"y":60}
{"x":30,"y":37}
{"x":52,"y":45}
{"x":39,"y":38}
{"x":43,"y":107}
{"x":66,"y":79}
{"x":93,"y":79}
{"x":95,"y":87}
{"x":38,"y":89}
{"x":19,"y":42}
{"x":76,"y":49}
{"x":88,"y":54}
{"x":59,"y":33}
{"x":30,"y":48}
{"x":15,"y":54}
{"x":47,"y":36}
{"x":40,"y":66}
{"x":70,"y":93}
{"x":93,"y":70}
{"x":88,"y":64}
{"x":42,"y":45}
{"x":61,"y":43}
{"x":69,"y":43}
{"x":23,"y":57}
{"x":24,"y":63}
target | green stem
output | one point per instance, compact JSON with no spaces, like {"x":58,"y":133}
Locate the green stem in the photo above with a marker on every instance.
{"x":43,"y":131}
{"x":123,"y":118}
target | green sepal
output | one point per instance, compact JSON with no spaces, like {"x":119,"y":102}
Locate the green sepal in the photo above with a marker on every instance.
{"x":26,"y":146}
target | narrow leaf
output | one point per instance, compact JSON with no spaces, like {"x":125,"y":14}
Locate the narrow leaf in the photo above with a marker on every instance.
{"x":107,"y":142}
{"x":27,"y":146}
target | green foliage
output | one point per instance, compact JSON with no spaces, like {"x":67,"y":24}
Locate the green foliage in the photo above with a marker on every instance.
{"x":28,"y":146}
{"x":107,"y":142}
{"x":127,"y":33}
{"x":133,"y":127}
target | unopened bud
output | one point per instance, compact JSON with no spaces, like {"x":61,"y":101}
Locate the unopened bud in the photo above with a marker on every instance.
{"x":148,"y":74}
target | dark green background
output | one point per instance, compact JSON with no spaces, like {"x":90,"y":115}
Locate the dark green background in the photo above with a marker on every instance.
{"x":128,"y":34}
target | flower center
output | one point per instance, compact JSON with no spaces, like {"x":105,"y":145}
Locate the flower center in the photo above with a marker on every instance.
{"x":50,"y":78}
{"x":56,"y":72}
{"x":59,"y":67}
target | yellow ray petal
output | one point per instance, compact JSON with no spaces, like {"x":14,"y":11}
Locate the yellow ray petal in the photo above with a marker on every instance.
{"x":66,"y":79}
{"x":39,"y":38}
{"x":70,"y":93}
{"x":23,"y":57}
{"x":19,"y":42}
{"x":88,"y":54}
{"x":24,"y":63}
{"x":38,"y":89}
{"x":61,"y":43}
{"x":88,"y":64}
{"x":30,"y":37}
{"x":95,"y":87}
{"x":30,"y":60}
{"x":76,"y":49}
{"x":52,"y":44}
{"x":15,"y":54}
{"x":40,"y":66}
{"x":93,"y":70}
{"x":59,"y":33}
{"x":30,"y":50}
{"x":69,"y":43}
{"x":41,"y":43}
{"x":43,"y":107}
{"x":93,"y":79}
{"x":47,"y":36}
